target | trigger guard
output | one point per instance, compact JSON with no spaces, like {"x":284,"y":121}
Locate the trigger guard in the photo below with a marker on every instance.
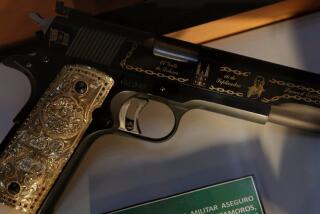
{"x":120,"y":115}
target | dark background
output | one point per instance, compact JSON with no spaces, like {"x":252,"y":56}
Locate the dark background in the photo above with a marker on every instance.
{"x":164,"y":16}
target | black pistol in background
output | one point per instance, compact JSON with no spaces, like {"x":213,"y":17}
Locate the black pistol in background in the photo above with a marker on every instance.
{"x":91,"y":78}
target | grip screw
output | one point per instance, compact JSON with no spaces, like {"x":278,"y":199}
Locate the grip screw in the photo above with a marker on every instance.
{"x":14,"y":188}
{"x":81,"y":87}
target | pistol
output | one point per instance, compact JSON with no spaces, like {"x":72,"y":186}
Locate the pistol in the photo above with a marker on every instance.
{"x":90,"y":78}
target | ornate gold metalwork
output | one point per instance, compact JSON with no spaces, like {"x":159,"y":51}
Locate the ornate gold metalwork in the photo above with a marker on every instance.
{"x":201,"y":75}
{"x":294,"y":97}
{"x":43,"y":144}
{"x":292,"y":85}
{"x":235,"y":72}
{"x":288,"y":96}
{"x":224,"y":91}
{"x":124,"y":64}
{"x":255,"y":91}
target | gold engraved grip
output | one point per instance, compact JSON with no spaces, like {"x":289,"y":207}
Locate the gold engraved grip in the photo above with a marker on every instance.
{"x":34,"y":158}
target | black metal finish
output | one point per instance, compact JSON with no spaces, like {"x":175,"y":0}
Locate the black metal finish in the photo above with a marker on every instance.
{"x":127,"y":56}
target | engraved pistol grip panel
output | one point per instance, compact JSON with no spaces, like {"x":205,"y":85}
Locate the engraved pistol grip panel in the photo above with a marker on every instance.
{"x":38,"y":152}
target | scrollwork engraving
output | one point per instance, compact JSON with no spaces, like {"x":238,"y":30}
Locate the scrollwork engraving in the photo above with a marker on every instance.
{"x":43,"y":144}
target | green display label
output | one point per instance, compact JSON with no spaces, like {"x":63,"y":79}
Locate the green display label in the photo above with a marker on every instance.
{"x":231,"y":197}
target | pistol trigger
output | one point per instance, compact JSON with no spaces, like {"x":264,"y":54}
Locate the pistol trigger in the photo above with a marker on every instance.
{"x":129,"y":115}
